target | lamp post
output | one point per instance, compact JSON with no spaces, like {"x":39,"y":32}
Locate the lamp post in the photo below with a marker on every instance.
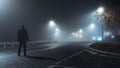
{"x":99,"y":14}
{"x":56,"y":34}
{"x":51,"y":25}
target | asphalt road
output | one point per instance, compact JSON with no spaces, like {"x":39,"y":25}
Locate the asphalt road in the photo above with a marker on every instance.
{"x":42,"y":56}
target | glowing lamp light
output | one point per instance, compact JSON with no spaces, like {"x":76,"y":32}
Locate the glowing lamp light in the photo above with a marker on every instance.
{"x":5,"y":5}
{"x":57,"y":30}
{"x":80,"y":30}
{"x":76,"y":34}
{"x":99,"y":38}
{"x":100,"y":10}
{"x":3,"y":2}
{"x":112,"y":36}
{"x":52,"y":23}
{"x":92,"y":26}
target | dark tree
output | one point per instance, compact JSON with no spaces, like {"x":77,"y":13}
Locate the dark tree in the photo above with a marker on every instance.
{"x":112,"y":13}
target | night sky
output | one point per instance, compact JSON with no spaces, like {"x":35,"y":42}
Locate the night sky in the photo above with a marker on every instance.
{"x":36,"y":14}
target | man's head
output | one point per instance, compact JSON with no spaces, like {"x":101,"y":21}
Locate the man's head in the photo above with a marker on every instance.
{"x":23,"y":27}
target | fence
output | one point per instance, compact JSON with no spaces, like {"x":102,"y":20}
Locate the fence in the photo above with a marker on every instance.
{"x":15,"y":44}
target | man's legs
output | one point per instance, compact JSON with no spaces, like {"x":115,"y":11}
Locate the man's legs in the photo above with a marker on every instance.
{"x":24,"y":47}
{"x":19,"y":49}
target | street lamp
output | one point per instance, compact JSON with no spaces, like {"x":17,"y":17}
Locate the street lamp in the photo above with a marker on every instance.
{"x":92,"y":26}
{"x":99,"y":38}
{"x":52,"y":25}
{"x":99,"y":14}
{"x":57,"y":30}
{"x":81,"y":31}
{"x":100,"y":10}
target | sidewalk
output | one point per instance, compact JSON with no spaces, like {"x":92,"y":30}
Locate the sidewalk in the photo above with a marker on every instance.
{"x":113,"y":47}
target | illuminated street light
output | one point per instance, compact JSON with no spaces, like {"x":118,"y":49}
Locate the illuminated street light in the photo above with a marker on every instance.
{"x":99,"y":13}
{"x":100,"y":10}
{"x":99,"y":38}
{"x":92,"y":26}
{"x":52,"y":23}
{"x":81,"y":31}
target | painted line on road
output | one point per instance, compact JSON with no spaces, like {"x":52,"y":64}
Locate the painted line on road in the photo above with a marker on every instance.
{"x":39,"y":46}
{"x":39,"y":50}
{"x":59,"y":66}
{"x":49,"y":48}
{"x":1,"y":48}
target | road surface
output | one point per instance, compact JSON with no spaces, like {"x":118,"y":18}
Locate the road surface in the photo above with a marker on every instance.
{"x":42,"y":56}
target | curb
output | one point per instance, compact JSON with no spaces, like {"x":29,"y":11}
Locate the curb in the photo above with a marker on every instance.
{"x":104,"y":52}
{"x":58,"y":66}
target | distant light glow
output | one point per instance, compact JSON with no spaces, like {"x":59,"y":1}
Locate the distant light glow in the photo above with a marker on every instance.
{"x":57,"y":30}
{"x":99,"y":38}
{"x":107,"y":33}
{"x":73,"y":33}
{"x":93,"y":38}
{"x":76,"y":34}
{"x":56,"y":34}
{"x":5,"y":5}
{"x":112,"y":36}
{"x":81,"y":31}
{"x":100,"y":10}
{"x":2,"y":1}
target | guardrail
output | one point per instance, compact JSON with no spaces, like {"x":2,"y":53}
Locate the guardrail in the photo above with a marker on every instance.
{"x":15,"y":44}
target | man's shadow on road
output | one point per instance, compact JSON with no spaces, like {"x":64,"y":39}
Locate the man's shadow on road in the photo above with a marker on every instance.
{"x":41,"y":58}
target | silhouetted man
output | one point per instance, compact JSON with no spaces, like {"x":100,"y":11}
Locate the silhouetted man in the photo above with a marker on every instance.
{"x":22,"y":38}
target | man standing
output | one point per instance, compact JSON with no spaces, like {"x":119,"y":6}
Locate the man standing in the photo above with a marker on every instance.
{"x":22,"y":38}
